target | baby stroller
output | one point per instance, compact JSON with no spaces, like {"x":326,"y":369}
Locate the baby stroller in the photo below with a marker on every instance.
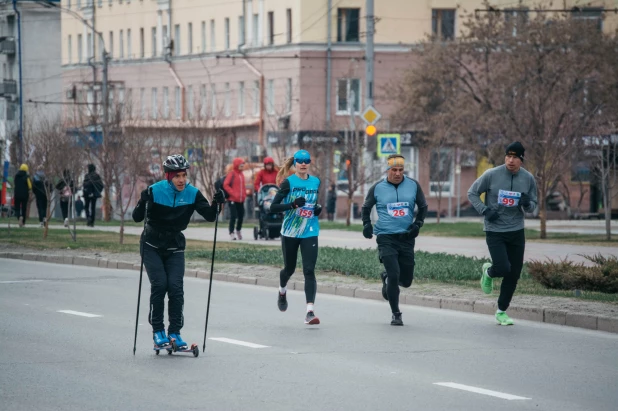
{"x":270,"y":223}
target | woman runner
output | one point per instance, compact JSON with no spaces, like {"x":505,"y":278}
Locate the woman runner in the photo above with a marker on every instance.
{"x":297,"y":198}
{"x":171,"y":203}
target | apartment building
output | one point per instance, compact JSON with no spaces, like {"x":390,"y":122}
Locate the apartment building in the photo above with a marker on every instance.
{"x":41,"y":82}
{"x":266,"y":73}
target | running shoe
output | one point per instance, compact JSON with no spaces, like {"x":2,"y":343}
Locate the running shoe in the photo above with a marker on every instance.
{"x":384,"y":293}
{"x":396,"y":319}
{"x":504,"y":319}
{"x":311,"y":319}
{"x":487,"y":283}
{"x":282,"y":302}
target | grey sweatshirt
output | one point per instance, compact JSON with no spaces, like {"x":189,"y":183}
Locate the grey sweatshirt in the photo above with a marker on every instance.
{"x":502,"y":191}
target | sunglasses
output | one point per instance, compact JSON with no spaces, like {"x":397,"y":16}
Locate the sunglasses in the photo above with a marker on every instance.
{"x":303,"y":161}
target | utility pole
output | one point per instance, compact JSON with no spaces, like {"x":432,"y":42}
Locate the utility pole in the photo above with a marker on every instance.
{"x":369,"y":54}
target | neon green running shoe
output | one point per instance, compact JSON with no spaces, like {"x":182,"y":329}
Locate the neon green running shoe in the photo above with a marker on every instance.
{"x":504,"y":319}
{"x":487,"y":283}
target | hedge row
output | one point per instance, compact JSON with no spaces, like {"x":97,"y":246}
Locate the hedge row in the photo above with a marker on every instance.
{"x":566,"y":275}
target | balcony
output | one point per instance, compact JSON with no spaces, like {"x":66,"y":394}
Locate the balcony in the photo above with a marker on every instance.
{"x":8,"y":88}
{"x":7,"y":45}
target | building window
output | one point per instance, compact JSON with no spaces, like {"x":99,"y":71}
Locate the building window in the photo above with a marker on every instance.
{"x":515,"y":18}
{"x":241,"y":30}
{"x":141,"y":42}
{"x":288,"y":25}
{"x":271,"y":28}
{"x":190,"y":103}
{"x":256,"y":98}
{"x":241,"y":98}
{"x":178,"y":103}
{"x":129,"y":48}
{"x":348,"y":27}
{"x":121,"y":44}
{"x":154,"y":41}
{"x":203,"y":102}
{"x":101,"y":47}
{"x":255,"y":30}
{"x":227,"y":101}
{"x":166,"y":103}
{"x":89,"y":46}
{"x":443,"y":24}
{"x":440,"y":171}
{"x":190,"y":39}
{"x":70,"y":49}
{"x":177,"y":49}
{"x":213,"y":100}
{"x":142,"y":102}
{"x":288,"y":96}
{"x":348,"y":90}
{"x":203,"y":49}
{"x":80,"y":47}
{"x":213,"y":43}
{"x":227,"y":33}
{"x":111,"y":44}
{"x":154,"y":103}
{"x":270,"y":89}
{"x":593,"y":15}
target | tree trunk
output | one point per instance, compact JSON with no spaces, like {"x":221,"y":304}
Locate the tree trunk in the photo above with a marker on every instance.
{"x":47,"y":217}
{"x":607,"y":205}
{"x":543,"y":217}
{"x":122,"y":229}
{"x":439,"y":204}
{"x":349,"y":212}
{"x":107,"y":205}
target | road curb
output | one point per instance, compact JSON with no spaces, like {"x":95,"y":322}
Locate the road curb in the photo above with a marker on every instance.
{"x":486,"y":307}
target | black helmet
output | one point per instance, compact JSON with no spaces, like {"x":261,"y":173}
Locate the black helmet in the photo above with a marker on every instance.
{"x":175,"y":162}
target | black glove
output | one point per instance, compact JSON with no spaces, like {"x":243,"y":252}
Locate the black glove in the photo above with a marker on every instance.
{"x":524,"y":200}
{"x":491,"y":215}
{"x":219,"y":197}
{"x":317,"y":210}
{"x":368,"y":231}
{"x":299,"y":202}
{"x":412,"y":232}
{"x":145,"y":196}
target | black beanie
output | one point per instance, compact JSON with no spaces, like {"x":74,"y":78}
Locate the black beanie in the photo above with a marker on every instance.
{"x":516,"y":149}
{"x":91,"y":168}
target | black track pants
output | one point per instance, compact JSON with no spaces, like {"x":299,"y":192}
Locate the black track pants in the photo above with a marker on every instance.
{"x":237,"y":214}
{"x":507,"y":256}
{"x":21,"y":205}
{"x":166,"y":270}
{"x":309,"y":252}
{"x":398,"y":259}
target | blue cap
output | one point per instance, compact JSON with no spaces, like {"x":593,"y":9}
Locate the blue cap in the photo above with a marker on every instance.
{"x":301,"y":155}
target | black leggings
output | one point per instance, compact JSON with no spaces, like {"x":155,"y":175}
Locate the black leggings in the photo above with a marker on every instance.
{"x":41,"y":205}
{"x":507,"y":256}
{"x":237,"y":213}
{"x":309,"y":252}
{"x":398,"y":259}
{"x":21,"y":206}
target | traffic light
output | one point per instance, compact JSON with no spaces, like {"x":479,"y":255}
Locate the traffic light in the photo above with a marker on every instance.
{"x":371,"y":130}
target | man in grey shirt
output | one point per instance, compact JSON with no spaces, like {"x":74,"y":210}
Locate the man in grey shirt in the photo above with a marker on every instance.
{"x":509,"y":191}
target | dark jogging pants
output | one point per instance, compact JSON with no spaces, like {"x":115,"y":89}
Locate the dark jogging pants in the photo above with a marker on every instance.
{"x":21,"y":206}
{"x":507,"y":256}
{"x":237,"y":214}
{"x":398,"y":259}
{"x":91,"y":208}
{"x":166,"y":270}
{"x":309,"y":252}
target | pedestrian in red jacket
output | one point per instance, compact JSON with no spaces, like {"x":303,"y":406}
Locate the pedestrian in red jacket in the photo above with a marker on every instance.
{"x":267,"y":175}
{"x":234,"y":185}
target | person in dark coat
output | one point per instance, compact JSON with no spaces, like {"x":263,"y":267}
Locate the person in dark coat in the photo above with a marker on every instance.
{"x":79,"y":206}
{"x":66,"y":188}
{"x":21,"y":193}
{"x":331,"y":202}
{"x":40,"y":193}
{"x":93,"y":186}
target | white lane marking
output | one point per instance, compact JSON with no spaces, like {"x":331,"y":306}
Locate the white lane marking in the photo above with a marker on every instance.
{"x":480,"y":391}
{"x":237,"y":342}
{"x":79,"y":313}
{"x":20,"y":281}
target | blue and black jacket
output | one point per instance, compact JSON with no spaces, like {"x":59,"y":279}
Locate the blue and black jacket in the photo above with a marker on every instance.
{"x":395,"y":205}
{"x":169,"y":213}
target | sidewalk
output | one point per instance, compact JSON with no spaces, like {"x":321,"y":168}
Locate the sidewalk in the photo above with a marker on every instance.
{"x":471,"y":247}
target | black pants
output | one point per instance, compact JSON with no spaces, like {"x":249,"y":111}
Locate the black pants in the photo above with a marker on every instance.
{"x":64,"y":207}
{"x":309,"y":252}
{"x":166,"y":270}
{"x":507,"y":256}
{"x":90,"y":205}
{"x":237,"y":213}
{"x":21,"y":206}
{"x":398,"y":259}
{"x":41,"y":206}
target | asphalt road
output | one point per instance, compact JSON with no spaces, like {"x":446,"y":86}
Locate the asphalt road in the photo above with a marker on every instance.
{"x":354,"y":360}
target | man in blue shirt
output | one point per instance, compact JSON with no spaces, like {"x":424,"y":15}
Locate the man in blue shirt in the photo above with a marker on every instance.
{"x":394,"y":198}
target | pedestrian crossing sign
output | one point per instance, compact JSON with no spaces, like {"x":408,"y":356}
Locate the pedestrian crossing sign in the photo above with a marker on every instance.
{"x":388,"y":144}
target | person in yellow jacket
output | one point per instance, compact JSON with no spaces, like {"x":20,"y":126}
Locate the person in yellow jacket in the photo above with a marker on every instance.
{"x":21,"y":193}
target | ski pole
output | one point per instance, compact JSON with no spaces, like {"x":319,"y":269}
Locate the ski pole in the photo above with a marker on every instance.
{"x":212,"y":266}
{"x":141,"y":271}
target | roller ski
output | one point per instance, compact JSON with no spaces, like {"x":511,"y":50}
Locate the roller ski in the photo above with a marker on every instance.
{"x":173,"y":344}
